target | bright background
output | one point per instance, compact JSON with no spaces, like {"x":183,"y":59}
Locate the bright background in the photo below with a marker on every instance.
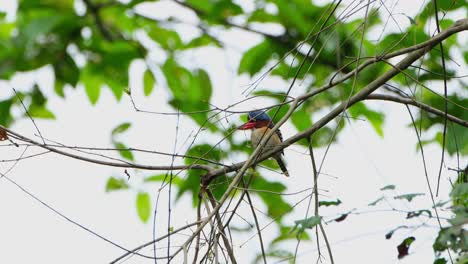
{"x":356,"y":167}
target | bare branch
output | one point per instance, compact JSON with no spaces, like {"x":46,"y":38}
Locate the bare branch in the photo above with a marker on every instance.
{"x":410,"y":101}
{"x":257,"y":225}
{"x":221,"y":228}
{"x":106,"y":163}
{"x":135,"y":250}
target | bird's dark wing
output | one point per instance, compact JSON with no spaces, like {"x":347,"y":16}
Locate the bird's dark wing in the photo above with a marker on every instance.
{"x":278,"y":132}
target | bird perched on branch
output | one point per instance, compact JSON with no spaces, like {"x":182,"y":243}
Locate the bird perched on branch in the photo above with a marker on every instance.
{"x":261,"y":124}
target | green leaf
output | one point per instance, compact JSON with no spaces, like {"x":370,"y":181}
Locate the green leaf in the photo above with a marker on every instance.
{"x":168,"y":39}
{"x":279,"y":254}
{"x":293,"y":17}
{"x":92,"y":84}
{"x":255,"y":58}
{"x":5,"y":116}
{"x":459,"y":194}
{"x":120,"y":18}
{"x":262,"y":16}
{"x":277,"y":113}
{"x":225,"y":9}
{"x":375,"y":118}
{"x":203,"y":153}
{"x":323,"y":136}
{"x":38,"y":97}
{"x":301,"y":119}
{"x":143,"y":204}
{"x":148,"y":82}
{"x":66,"y":71}
{"x":204,"y":6}
{"x":341,"y":217}
{"x":201,"y":41}
{"x":275,"y":95}
{"x":199,"y":154}
{"x":330,"y":203}
{"x":124,"y":151}
{"x":219,"y":186}
{"x":404,"y":247}
{"x":409,"y":197}
{"x":388,"y":187}
{"x":376,"y":201}
{"x":287,"y":234}
{"x":391,"y":232}
{"x":116,"y":88}
{"x":440,"y":261}
{"x":39,"y":23}
{"x":418,"y":213}
{"x":440,"y":203}
{"x":109,"y":66}
{"x":161,"y":177}
{"x":460,"y":191}
{"x":121,"y":128}
{"x":276,"y":205}
{"x":191,"y":91}
{"x":114,"y":184}
{"x":307,"y":223}
{"x":37,"y":111}
{"x":37,"y":108}
{"x":59,"y":88}
{"x":190,"y":184}
{"x":156,"y":178}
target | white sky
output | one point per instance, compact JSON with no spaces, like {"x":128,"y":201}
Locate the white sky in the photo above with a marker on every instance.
{"x":359,"y":164}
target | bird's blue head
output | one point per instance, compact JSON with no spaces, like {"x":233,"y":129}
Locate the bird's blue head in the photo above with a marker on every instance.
{"x":258,"y":115}
{"x":256,"y":118}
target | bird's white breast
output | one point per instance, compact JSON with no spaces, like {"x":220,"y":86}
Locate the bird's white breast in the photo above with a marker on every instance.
{"x":259,"y":133}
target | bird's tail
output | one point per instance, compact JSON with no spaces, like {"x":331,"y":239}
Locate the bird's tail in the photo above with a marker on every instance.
{"x":282,"y":165}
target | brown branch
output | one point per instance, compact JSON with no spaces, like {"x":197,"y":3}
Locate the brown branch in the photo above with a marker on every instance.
{"x":322,"y":229}
{"x":197,"y":243}
{"x":221,"y":228}
{"x":316,"y":198}
{"x":410,"y":101}
{"x":106,"y":163}
{"x":444,"y":133}
{"x":135,"y":250}
{"x":257,"y":225}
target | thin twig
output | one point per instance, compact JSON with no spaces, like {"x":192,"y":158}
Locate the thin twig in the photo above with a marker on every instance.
{"x":316,"y":198}
{"x":106,"y":163}
{"x":135,"y":250}
{"x":444,"y":133}
{"x":69,"y":219}
{"x":197,"y":243}
{"x":221,"y":228}
{"x":413,"y":102}
{"x":426,"y":174}
{"x":259,"y":232}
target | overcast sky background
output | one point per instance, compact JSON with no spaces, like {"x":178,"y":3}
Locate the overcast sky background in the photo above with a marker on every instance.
{"x":356,"y":167}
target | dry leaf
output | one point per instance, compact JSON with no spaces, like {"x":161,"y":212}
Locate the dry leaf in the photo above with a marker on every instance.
{"x":3,"y":135}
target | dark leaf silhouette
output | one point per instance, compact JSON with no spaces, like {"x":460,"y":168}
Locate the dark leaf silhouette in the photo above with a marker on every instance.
{"x":404,"y":247}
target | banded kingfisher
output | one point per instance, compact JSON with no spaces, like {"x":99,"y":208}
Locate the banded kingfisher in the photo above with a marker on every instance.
{"x":260,"y":124}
